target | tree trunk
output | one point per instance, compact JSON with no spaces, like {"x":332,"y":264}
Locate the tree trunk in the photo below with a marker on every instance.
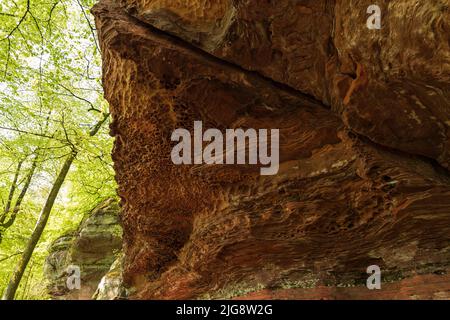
{"x":42,"y":222}
{"x":19,"y":200}
{"x":11,"y":192}
{"x":27,"y":282}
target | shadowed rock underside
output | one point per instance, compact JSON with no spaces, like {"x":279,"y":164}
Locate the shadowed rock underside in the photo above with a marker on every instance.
{"x":364,"y":119}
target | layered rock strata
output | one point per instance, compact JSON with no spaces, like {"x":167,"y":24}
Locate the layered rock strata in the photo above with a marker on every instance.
{"x":89,"y":250}
{"x":364,"y":119}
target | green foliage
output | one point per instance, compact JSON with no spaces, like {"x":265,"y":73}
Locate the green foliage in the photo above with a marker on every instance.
{"x":50,"y":100}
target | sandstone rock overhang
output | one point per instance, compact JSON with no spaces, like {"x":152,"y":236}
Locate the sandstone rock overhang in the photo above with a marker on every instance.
{"x":364,"y":125}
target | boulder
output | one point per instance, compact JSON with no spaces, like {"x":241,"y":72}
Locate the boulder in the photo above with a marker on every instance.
{"x":91,"y":250}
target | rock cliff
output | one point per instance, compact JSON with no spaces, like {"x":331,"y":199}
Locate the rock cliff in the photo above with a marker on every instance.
{"x":93,"y":248}
{"x":364,"y":119}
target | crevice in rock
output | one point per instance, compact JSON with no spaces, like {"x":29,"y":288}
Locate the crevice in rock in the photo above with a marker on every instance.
{"x":433,"y":162}
{"x":338,"y":203}
{"x":174,"y":39}
{"x":210,"y":57}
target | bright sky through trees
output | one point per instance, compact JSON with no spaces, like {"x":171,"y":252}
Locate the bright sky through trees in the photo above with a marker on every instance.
{"x":50,"y":102}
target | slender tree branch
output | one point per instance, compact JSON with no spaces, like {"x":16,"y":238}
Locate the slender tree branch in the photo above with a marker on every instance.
{"x":50,"y":15}
{"x":28,"y":132}
{"x":22,"y":194}
{"x":99,"y":124}
{"x":14,"y":281}
{"x":8,"y":37}
{"x":92,"y":107}
{"x":9,"y":257}
{"x":89,"y":24}
{"x":8,"y":14}
{"x":12,"y":190}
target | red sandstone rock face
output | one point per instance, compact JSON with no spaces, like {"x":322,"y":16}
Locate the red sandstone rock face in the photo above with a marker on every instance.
{"x":416,"y":287}
{"x":322,"y":47}
{"x":363,"y":118}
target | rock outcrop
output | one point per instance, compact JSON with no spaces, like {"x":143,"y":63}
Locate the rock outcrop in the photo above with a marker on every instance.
{"x":364,"y":119}
{"x":111,"y":285}
{"x":92,"y":248}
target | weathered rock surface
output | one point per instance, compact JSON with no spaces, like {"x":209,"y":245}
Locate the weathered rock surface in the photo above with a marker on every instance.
{"x":111,"y":285}
{"x":364,"y":122}
{"x":93,"y":247}
{"x":323,"y":48}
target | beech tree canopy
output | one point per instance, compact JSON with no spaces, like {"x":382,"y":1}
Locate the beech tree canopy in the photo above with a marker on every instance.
{"x":51,"y":105}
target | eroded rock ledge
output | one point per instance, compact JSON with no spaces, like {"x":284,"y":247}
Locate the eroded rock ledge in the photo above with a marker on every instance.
{"x":364,"y":119}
